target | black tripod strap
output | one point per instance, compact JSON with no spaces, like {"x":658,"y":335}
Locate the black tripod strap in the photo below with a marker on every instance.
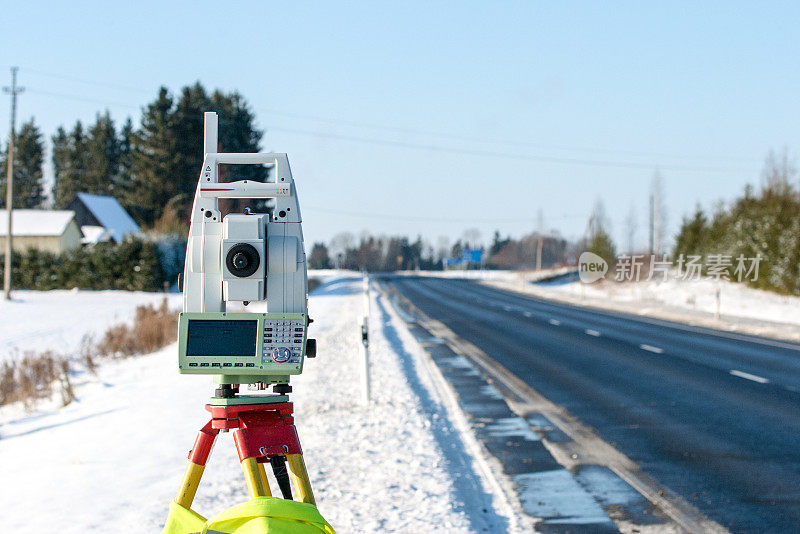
{"x":278,"y":464}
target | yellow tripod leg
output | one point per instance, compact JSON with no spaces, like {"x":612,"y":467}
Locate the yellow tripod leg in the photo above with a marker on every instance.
{"x":263,"y":474}
{"x":256,"y":478}
{"x":188,"y":489}
{"x":300,"y":476}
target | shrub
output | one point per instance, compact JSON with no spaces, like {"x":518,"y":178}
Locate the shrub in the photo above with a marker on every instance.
{"x":133,"y":265}
{"x":152,"y":328}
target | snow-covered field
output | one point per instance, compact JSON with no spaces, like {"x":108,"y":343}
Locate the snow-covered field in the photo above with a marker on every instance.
{"x":112,"y":460}
{"x":57,"y":320}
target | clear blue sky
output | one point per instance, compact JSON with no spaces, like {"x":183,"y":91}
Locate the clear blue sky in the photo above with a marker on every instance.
{"x":433,"y":117}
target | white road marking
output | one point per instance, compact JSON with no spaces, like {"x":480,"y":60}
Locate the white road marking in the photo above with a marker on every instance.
{"x":507,"y":308}
{"x":594,"y":333}
{"x":528,"y":314}
{"x":554,"y":322}
{"x":651,"y":348}
{"x":748,"y":376}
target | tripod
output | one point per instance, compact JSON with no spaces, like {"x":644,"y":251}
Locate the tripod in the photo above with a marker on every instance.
{"x":262,"y":433}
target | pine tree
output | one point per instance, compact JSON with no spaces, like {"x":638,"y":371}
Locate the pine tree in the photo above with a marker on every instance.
{"x":693,"y":234}
{"x":154,"y":170}
{"x":70,"y":163}
{"x":102,"y":157}
{"x":599,"y":240}
{"x":28,"y":176}
{"x":239,"y":134}
{"x":167,"y":151}
{"x":237,"y":128}
{"x":319,"y":259}
{"x":188,"y":124}
{"x":61,"y":153}
{"x":121,"y":187}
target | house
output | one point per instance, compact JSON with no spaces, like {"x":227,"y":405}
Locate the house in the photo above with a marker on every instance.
{"x":47,"y":230}
{"x":101,"y":218}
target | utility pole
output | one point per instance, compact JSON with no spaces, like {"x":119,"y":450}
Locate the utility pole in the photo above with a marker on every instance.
{"x":540,"y":242}
{"x":652,"y":223}
{"x":13,"y":91}
{"x":656,"y":225}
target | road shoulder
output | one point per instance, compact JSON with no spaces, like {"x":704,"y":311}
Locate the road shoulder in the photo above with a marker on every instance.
{"x":563,"y":475}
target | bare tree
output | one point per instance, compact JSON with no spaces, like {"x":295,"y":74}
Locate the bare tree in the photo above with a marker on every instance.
{"x":598,"y":220}
{"x":472,"y":237}
{"x":540,"y":242}
{"x":443,"y":247}
{"x":658,"y":214}
{"x":631,"y":226}
{"x":339,"y":245}
{"x":778,"y":173}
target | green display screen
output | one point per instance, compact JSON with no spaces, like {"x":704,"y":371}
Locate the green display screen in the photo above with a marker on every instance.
{"x":222,"y":338}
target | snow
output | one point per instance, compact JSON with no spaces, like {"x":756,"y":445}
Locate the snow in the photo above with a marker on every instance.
{"x":94,"y":234}
{"x":36,"y":222}
{"x":112,"y":460}
{"x":741,"y":308}
{"x":565,"y":498}
{"x":58,"y":320}
{"x":736,"y":300}
{"x":110,"y":214}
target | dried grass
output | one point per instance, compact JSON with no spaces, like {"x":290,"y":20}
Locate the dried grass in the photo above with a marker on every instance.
{"x":152,"y":329}
{"x":33,"y":376}
{"x":313,"y":283}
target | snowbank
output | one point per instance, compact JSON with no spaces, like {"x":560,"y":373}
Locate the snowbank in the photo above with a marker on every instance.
{"x":57,"y":320}
{"x":741,"y":308}
{"x":112,"y":460}
{"x":736,"y":300}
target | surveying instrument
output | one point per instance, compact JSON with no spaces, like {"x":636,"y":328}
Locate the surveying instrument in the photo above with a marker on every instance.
{"x":243,"y":258}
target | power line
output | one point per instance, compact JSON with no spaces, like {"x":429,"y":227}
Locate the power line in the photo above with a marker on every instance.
{"x":400,"y":129}
{"x":485,"y":140}
{"x":87,"y":82}
{"x":82,"y":99}
{"x":424,"y":218}
{"x":504,"y":155}
{"x":446,"y":149}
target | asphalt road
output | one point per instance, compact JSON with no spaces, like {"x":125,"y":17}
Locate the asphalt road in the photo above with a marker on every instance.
{"x":713,"y":416}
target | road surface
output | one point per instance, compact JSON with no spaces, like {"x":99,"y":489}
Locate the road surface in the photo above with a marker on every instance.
{"x":713,"y":416}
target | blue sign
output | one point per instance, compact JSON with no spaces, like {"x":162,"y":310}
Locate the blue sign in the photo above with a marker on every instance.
{"x":468,"y":257}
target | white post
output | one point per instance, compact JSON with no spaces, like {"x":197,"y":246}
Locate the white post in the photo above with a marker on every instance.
{"x":364,"y":353}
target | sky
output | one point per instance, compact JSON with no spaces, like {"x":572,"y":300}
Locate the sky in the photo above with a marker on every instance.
{"x":434,"y":118}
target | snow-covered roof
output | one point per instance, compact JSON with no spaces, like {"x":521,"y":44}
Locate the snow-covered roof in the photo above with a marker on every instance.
{"x":110,"y":214}
{"x":94,"y":234}
{"x":36,"y":222}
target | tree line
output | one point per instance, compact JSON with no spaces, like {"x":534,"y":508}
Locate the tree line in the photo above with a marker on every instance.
{"x":761,"y":223}
{"x":151,"y":168}
{"x":759,"y":229}
{"x":395,"y":253}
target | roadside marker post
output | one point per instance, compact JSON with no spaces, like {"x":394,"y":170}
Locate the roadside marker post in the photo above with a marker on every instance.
{"x":364,"y":352}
